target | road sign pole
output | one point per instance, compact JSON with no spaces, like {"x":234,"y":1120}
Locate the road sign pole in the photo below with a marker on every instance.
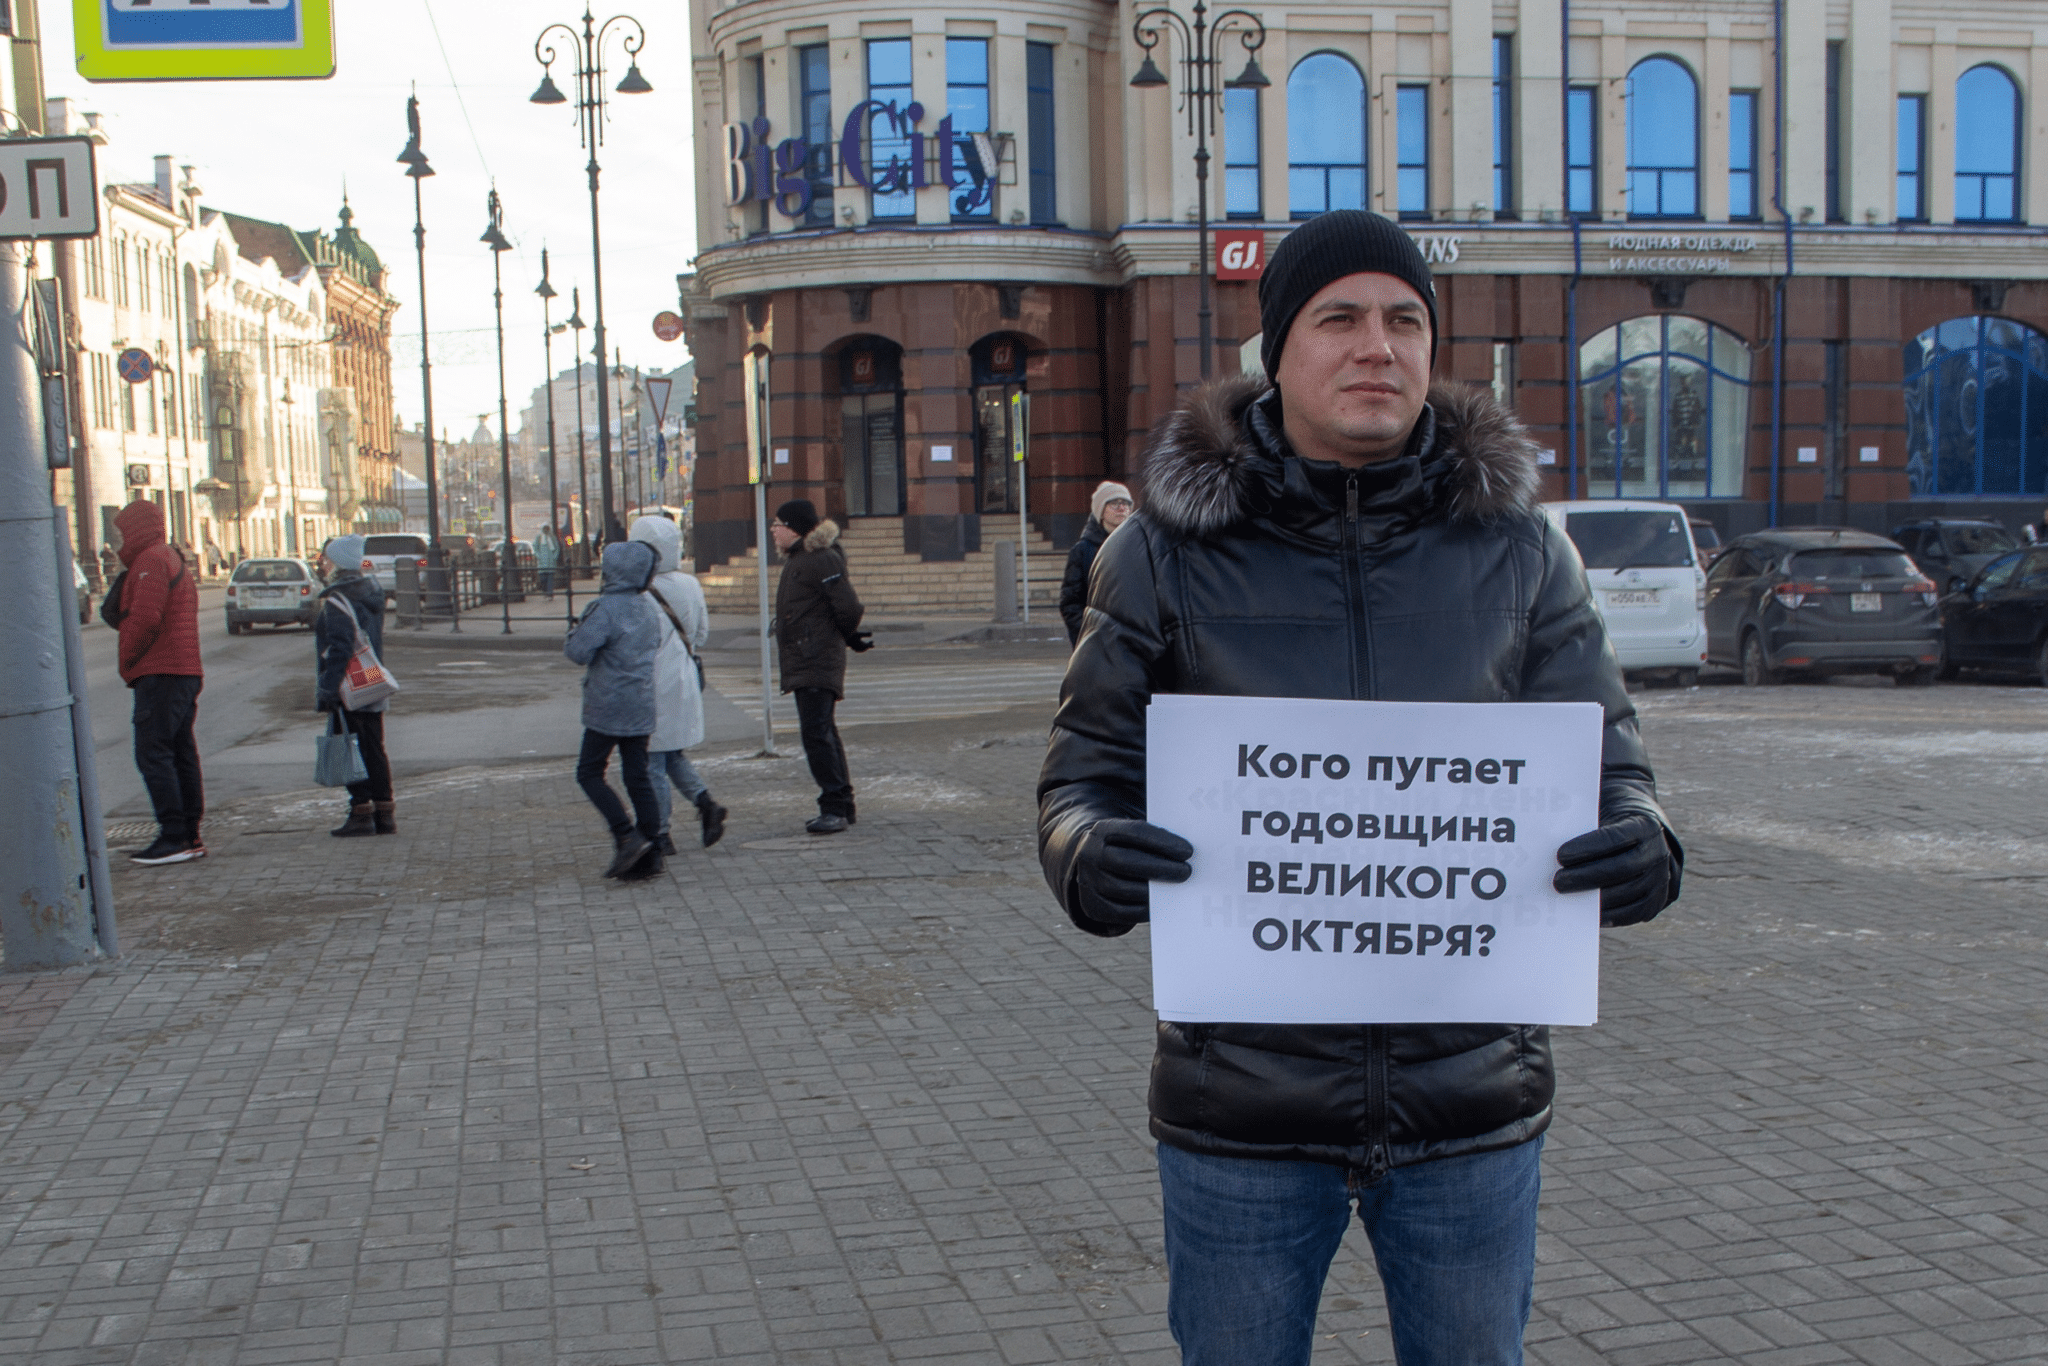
{"x":756,"y":376}
{"x":1020,"y":449}
{"x":46,"y":914}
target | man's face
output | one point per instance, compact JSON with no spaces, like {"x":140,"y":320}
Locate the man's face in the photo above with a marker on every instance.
{"x":1355,"y":370}
{"x":783,"y":536}
{"x":1113,"y":513}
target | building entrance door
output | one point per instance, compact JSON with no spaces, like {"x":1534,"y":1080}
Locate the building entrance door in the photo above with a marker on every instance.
{"x":871,"y":440}
{"x":995,"y":473}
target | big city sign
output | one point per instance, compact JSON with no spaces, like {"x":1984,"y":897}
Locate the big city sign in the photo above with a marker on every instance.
{"x":758,"y":169}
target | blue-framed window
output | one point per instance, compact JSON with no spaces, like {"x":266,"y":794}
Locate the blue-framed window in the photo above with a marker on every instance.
{"x":1582,"y":151}
{"x":1411,"y":142}
{"x":889,"y":139}
{"x":1977,"y":409}
{"x":1045,"y":203}
{"x":1663,"y":140}
{"x":1242,"y":197}
{"x":1666,"y":409}
{"x":1325,"y":136}
{"x":1987,"y":146}
{"x":814,"y":97}
{"x":1503,"y":125}
{"x":967,"y":104}
{"x":1743,"y":198}
{"x":1911,"y":181}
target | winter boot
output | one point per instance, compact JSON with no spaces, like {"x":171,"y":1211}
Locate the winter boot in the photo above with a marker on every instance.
{"x":361,"y":821}
{"x":713,"y":817}
{"x":651,"y":865}
{"x":632,"y":847}
{"x":387,"y":817}
{"x":668,"y":844}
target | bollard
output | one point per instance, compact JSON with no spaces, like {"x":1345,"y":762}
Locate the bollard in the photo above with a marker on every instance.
{"x":405,"y":581}
{"x":1006,"y":581}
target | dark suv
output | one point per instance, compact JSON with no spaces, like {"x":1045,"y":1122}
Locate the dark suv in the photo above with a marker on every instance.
{"x":1821,"y":600}
{"x":1952,"y":552}
{"x":2000,"y":621}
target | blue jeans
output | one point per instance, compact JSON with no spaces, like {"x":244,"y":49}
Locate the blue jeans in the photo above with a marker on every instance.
{"x":1249,"y":1243}
{"x":673,"y":766}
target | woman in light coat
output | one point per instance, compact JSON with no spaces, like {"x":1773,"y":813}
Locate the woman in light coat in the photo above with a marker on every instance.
{"x":678,"y":696}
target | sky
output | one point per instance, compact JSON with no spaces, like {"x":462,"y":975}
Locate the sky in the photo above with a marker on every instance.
{"x":283,"y":150}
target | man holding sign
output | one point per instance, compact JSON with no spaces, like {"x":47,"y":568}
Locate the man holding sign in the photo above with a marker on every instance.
{"x":1348,"y":533}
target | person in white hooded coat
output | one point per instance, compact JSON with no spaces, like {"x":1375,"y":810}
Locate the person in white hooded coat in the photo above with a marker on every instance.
{"x":678,"y":695}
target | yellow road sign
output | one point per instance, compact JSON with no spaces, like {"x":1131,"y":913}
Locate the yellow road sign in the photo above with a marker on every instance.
{"x":204,"y":40}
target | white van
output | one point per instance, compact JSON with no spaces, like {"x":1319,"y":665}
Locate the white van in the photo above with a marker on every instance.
{"x":1647,"y":582}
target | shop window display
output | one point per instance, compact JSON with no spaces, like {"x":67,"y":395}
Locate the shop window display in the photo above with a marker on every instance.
{"x":1666,"y":409}
{"x":1977,"y":409}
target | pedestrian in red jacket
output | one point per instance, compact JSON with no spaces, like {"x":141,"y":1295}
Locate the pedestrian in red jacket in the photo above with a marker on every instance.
{"x":158,"y":616}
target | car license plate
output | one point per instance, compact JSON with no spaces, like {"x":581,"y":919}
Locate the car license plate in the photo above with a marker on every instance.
{"x":1866,"y":602}
{"x":1646,"y":597}
{"x":266,"y":593}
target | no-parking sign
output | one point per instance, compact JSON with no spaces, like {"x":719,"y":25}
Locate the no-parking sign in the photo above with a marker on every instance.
{"x":203,"y":40}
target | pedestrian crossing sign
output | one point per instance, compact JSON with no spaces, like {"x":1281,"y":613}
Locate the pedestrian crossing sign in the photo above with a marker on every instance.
{"x":204,"y":40}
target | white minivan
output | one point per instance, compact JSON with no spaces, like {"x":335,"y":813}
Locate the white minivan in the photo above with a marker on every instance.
{"x":1647,"y":583}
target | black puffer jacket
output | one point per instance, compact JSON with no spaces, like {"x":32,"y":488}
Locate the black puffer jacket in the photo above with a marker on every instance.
{"x":1249,"y":574}
{"x":334,"y":636}
{"x":816,"y":612}
{"x":1074,"y":587}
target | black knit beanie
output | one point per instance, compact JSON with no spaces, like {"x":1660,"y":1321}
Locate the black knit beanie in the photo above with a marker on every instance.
{"x":798,"y":515}
{"x":1329,"y":247}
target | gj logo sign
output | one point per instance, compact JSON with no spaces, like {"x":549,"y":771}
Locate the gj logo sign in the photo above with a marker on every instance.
{"x":1240,"y":253}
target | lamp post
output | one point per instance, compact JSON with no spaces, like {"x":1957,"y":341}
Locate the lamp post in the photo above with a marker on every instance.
{"x":1200,"y":59}
{"x":587,"y":57}
{"x":508,"y":556}
{"x":417,"y":169}
{"x":548,"y":328}
{"x":575,"y":324}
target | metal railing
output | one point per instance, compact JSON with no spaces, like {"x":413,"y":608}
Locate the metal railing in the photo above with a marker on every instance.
{"x":477,"y":586}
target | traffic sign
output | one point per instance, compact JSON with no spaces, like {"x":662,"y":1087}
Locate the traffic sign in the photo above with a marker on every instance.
{"x":48,"y":188}
{"x":658,"y":387}
{"x":203,"y":40}
{"x":667,"y":326}
{"x":135,"y":366}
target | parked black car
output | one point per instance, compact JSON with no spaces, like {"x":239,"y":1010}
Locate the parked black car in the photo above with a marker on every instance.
{"x":1951,"y":551}
{"x":1821,"y":600}
{"x":2000,"y":619}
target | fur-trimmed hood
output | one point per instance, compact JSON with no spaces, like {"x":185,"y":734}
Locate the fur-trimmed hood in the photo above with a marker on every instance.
{"x":1220,"y":458}
{"x":825,"y":534}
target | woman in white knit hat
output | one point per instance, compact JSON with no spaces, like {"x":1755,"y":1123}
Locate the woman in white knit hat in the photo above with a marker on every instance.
{"x":1107,"y":508}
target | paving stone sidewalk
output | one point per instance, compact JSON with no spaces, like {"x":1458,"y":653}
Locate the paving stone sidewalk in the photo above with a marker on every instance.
{"x":451,"y":1097}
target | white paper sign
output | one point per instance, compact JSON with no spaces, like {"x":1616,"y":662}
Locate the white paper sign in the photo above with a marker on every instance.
{"x":1373,"y":862}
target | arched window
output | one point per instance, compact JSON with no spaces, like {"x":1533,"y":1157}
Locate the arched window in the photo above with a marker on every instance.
{"x":1987,"y":147}
{"x":1325,"y":136}
{"x":1977,"y":408}
{"x":1666,"y":409}
{"x":1663,"y":140}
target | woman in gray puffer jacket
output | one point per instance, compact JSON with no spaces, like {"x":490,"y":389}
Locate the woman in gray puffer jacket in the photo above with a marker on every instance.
{"x":616,"y":640}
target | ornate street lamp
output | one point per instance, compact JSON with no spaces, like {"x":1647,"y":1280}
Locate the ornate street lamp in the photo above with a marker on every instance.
{"x":576,"y":325}
{"x":548,"y":328}
{"x":587,"y":56}
{"x":508,"y":555}
{"x":417,"y":169}
{"x":1201,"y":60}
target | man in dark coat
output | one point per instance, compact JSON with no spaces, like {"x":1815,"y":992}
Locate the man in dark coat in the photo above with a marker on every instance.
{"x":1107,"y":508}
{"x":158,"y":617}
{"x":1369,"y":537}
{"x":817,"y":620}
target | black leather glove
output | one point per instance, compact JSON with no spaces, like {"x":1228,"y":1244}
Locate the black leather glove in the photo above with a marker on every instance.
{"x":1629,"y":860}
{"x":860,"y":642}
{"x":1118,"y":861}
